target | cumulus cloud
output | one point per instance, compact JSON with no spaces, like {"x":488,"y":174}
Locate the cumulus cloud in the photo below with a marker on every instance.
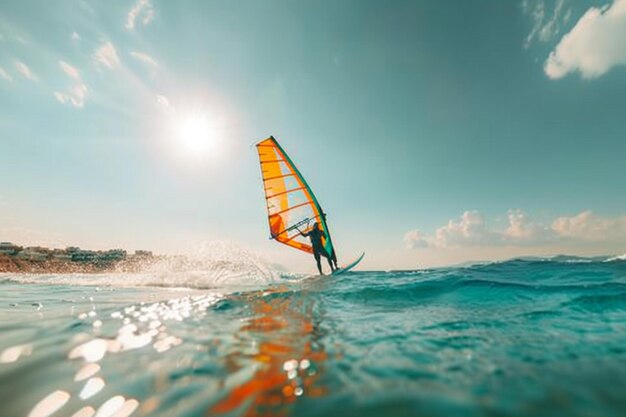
{"x":75,"y":37}
{"x":521,"y":228}
{"x":143,"y":10}
{"x":596,"y":44}
{"x":414,"y":239}
{"x":106,"y":55}
{"x":76,"y":94}
{"x":5,"y":75}
{"x":23,"y":69}
{"x":145,"y":58}
{"x":471,"y":229}
{"x":587,"y":226}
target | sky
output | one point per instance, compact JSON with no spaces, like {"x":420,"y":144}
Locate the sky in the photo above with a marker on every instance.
{"x":432,"y":132}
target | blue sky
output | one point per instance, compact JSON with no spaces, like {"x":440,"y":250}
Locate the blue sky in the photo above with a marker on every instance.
{"x":433,"y":132}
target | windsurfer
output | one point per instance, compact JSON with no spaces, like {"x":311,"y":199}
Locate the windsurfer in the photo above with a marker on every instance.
{"x":316,"y":235}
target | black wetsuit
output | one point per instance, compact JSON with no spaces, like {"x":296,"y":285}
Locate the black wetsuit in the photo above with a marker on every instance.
{"x":318,"y":248}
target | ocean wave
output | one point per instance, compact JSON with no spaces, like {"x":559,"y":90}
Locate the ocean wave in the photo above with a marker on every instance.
{"x":469,"y":289}
{"x":599,"y":302}
{"x":568,"y":259}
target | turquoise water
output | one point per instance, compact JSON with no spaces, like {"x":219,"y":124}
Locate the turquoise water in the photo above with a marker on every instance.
{"x":523,"y":337}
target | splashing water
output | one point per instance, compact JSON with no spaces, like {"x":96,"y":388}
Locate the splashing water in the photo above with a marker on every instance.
{"x":209,"y":265}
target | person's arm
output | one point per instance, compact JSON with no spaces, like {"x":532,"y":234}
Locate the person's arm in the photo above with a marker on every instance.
{"x":301,"y":233}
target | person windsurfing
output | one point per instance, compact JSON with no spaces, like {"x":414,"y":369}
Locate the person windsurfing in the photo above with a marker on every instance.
{"x":316,"y":235}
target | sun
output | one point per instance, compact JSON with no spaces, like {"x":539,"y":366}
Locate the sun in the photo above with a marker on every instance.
{"x":196,"y":135}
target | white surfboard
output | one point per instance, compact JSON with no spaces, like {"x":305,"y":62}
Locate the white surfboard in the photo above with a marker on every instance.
{"x":348,"y":267}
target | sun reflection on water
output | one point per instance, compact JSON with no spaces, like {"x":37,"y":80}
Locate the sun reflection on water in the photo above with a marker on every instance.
{"x":91,"y":388}
{"x":278,"y":343}
{"x":91,"y":351}
{"x":135,"y":327}
{"x":50,"y":404}
{"x":87,"y":371}
{"x":85,"y":412}
{"x":13,"y":353}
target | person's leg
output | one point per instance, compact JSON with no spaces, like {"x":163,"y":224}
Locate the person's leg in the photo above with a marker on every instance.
{"x":328,"y":258}
{"x":333,"y":257}
{"x":317,"y":260}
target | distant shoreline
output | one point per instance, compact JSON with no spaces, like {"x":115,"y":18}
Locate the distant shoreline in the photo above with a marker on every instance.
{"x":43,"y":260}
{"x":10,"y":264}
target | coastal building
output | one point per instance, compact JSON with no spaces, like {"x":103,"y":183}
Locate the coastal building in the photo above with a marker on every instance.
{"x":112,"y":255}
{"x":61,"y":255}
{"x":34,"y":253}
{"x":9,"y":248}
{"x":82,"y":255}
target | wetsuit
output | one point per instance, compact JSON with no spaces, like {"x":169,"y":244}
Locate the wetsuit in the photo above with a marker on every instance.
{"x":333,"y":255}
{"x":318,"y":248}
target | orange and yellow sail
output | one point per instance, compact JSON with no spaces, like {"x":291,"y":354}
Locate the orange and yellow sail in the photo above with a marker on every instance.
{"x":291,"y":205}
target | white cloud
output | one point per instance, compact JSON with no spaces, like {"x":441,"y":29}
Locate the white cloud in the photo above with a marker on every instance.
{"x":414,"y":239}
{"x":77,"y":93}
{"x":538,"y":15}
{"x":23,"y":69}
{"x":74,"y":96}
{"x":595,"y":44}
{"x":75,"y":37}
{"x":521,"y":228}
{"x":546,"y":25}
{"x":69,"y":70}
{"x":145,"y":58}
{"x":106,"y":55}
{"x":5,"y":75}
{"x":142,"y":9}
{"x":588,"y":226}
{"x":471,"y":230}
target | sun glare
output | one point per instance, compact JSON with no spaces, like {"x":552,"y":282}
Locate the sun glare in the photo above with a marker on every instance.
{"x":196,"y":135}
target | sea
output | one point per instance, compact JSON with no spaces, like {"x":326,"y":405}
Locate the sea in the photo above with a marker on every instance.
{"x":524,"y":337}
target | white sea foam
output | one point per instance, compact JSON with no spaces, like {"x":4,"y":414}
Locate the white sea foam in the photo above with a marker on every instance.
{"x":617,"y":258}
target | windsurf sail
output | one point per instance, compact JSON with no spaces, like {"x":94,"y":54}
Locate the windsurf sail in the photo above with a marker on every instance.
{"x":291,"y":204}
